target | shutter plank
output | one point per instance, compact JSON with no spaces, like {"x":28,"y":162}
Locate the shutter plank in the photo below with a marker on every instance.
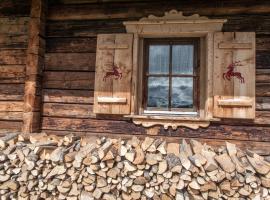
{"x":112,"y":95}
{"x":233,"y":98}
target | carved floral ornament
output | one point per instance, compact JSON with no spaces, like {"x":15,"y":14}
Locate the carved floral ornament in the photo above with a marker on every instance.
{"x":173,"y":23}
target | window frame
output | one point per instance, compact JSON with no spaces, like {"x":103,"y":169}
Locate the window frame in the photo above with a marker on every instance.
{"x":195,"y":76}
{"x":174,"y":24}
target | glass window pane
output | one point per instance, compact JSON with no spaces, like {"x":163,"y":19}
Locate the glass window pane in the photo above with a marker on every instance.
{"x":158,"y":91}
{"x":182,"y":59}
{"x":182,"y":92}
{"x":159,"y":59}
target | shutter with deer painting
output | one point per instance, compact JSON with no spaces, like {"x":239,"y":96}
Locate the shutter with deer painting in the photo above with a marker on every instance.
{"x":113,"y":74}
{"x":234,"y":75}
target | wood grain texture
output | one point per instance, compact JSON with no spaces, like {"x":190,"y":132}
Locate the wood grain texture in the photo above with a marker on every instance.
{"x":262,"y":103}
{"x":15,"y":8}
{"x":140,"y":9}
{"x":12,"y":73}
{"x":11,"y":106}
{"x":263,"y":76}
{"x":71,"y":45}
{"x":70,"y":110}
{"x":10,"y":92}
{"x":263,"y":59}
{"x":14,"y":25}
{"x":7,"y":126}
{"x":69,"y":80}
{"x":241,"y":88}
{"x":262,"y":89}
{"x":70,"y":61}
{"x":123,"y":127}
{"x":13,"y":57}
{"x":68,"y":96}
{"x":5,"y":115}
{"x":263,"y":43}
{"x":112,"y":86}
{"x":8,"y":41}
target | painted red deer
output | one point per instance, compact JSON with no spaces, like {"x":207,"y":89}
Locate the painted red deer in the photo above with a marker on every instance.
{"x":116,"y":73}
{"x":230,"y":73}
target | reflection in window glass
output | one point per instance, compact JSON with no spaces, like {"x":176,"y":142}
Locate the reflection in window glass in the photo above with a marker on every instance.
{"x":182,"y":59}
{"x":159,"y":59}
{"x":182,"y":92}
{"x":158,"y":91}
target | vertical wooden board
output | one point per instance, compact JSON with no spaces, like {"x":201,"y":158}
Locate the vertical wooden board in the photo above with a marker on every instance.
{"x":113,"y":50}
{"x":229,"y":87}
{"x":104,"y":62}
{"x":123,"y":59}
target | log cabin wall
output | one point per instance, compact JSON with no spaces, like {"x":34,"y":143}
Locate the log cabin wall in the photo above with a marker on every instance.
{"x":68,"y":80}
{"x":14,"y":18}
{"x":68,"y":77}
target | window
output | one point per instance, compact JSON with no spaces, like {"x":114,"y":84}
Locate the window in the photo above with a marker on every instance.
{"x":171,"y":76}
{"x":174,"y":71}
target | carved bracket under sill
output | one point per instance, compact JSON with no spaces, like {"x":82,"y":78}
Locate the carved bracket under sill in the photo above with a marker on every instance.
{"x":170,"y":123}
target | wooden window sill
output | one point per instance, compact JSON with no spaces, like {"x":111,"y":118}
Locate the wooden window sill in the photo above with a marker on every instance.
{"x":193,"y":122}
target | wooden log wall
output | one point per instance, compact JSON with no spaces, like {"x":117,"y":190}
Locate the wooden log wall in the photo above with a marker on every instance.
{"x":70,"y":64}
{"x":14,"y":20}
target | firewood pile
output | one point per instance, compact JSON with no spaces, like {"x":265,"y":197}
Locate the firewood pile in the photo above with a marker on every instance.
{"x":70,"y":167}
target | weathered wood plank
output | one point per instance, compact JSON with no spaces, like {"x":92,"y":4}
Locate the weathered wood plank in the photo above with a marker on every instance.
{"x":12,"y":57}
{"x":86,"y":28}
{"x":11,"y":106}
{"x":262,"y":89}
{"x":14,"y":25}
{"x":83,"y":28}
{"x":71,"y":45}
{"x":13,"y":92}
{"x":263,"y":59}
{"x":12,"y":73}
{"x":263,"y":117}
{"x":15,"y":8}
{"x":141,"y":9}
{"x":11,"y":115}
{"x":68,"y":110}
{"x":263,"y":103}
{"x":68,"y":96}
{"x":13,"y":41}
{"x":69,"y":80}
{"x":123,"y":127}
{"x":263,"y":75}
{"x":263,"y":43}
{"x":70,"y":61}
{"x":6,"y":126}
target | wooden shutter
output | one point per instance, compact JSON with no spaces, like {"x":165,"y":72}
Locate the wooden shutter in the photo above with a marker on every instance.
{"x":234,"y":75}
{"x":113,"y":74}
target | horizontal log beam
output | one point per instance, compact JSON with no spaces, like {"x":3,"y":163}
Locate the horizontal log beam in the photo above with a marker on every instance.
{"x":70,"y":61}
{"x":69,"y":80}
{"x":70,"y":110}
{"x":127,"y":10}
{"x":259,"y":133}
{"x":68,"y":96}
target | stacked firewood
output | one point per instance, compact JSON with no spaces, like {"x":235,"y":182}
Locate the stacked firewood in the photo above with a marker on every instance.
{"x":70,"y":167}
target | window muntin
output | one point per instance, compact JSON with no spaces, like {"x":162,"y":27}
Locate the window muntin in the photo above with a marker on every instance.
{"x":171,"y":76}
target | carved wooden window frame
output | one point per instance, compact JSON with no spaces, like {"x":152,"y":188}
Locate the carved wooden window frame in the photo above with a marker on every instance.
{"x":172,"y":25}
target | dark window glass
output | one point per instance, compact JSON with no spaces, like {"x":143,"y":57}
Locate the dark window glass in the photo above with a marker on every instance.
{"x":171,"y":75}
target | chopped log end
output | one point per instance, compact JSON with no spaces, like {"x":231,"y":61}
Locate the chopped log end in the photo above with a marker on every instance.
{"x":71,"y":167}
